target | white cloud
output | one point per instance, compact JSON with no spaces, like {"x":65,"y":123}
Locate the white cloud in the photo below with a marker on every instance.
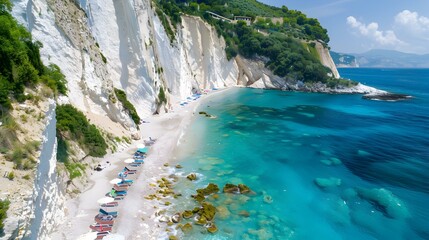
{"x":371,"y":31}
{"x":412,"y":22}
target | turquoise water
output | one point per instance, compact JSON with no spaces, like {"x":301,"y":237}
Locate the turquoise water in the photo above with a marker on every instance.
{"x":373,"y":155}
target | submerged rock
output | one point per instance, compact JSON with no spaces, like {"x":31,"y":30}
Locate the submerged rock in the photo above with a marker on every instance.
{"x":178,"y":166}
{"x":385,"y":200}
{"x":192,"y":177}
{"x":222,"y":212}
{"x":327,"y":182}
{"x":187,"y":227}
{"x":244,"y":213}
{"x":268,"y":199}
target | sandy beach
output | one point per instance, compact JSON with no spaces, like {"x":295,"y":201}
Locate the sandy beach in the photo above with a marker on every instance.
{"x":137,"y":215}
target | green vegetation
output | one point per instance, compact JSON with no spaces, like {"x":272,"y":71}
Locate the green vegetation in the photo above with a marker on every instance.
{"x":72,"y":124}
{"x":11,"y":176}
{"x":122,"y":97}
{"x":285,"y":42}
{"x":22,"y":155}
{"x":55,"y":79}
{"x":75,"y":169}
{"x":20,"y":63}
{"x":333,"y":82}
{"x":4,"y":206}
{"x":161,"y":96}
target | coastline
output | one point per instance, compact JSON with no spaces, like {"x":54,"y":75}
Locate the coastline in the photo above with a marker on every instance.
{"x":136,"y":218}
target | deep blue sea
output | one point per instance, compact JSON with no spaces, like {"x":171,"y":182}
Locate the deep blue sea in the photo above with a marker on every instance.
{"x":322,"y":166}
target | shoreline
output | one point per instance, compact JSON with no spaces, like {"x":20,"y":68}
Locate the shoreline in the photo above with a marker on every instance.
{"x":136,"y":218}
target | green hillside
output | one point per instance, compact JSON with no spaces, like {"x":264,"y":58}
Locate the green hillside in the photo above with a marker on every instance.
{"x":275,"y":33}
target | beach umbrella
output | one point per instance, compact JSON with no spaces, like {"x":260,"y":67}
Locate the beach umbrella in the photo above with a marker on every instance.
{"x":129,"y":160}
{"x":105,"y":200}
{"x":114,"y":237}
{"x":143,"y":150}
{"x":115,"y":181}
{"x":88,"y":236}
{"x":141,"y":145}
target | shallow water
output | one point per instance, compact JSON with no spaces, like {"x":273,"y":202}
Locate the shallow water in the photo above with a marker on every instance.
{"x":371,"y":156}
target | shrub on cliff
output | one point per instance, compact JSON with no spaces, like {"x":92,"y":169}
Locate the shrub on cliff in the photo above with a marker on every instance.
{"x":4,"y":206}
{"x":20,"y":63}
{"x":73,"y":125}
{"x":122,"y":97}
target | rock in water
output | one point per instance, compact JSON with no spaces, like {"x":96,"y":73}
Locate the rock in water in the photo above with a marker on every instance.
{"x":386,"y":97}
{"x":198,"y":197}
{"x":327,"y":182}
{"x":391,"y":205}
{"x":211,"y":188}
{"x":207,"y":211}
{"x":222,"y":212}
{"x":192,"y":177}
{"x":187,"y":214}
{"x":244,"y":213}
{"x":187,"y":227}
{"x":176,"y":218}
{"x":231,"y":188}
{"x":212,"y":228}
{"x":244,"y":189}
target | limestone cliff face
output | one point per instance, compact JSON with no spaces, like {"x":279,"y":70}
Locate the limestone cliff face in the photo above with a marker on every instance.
{"x":101,"y":45}
{"x":326,"y":59}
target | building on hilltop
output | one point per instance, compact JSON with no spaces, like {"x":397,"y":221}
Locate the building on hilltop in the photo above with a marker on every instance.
{"x":248,"y":20}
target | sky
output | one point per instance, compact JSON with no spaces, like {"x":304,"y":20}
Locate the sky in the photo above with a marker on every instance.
{"x":357,"y":26}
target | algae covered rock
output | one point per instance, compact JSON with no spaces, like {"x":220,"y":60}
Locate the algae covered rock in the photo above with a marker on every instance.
{"x":231,"y":188}
{"x":187,"y":227}
{"x":187,"y":214}
{"x":212,"y":228}
{"x":244,"y":189}
{"x":178,"y":166}
{"x":198,"y":197}
{"x":207,"y":211}
{"x":211,"y":188}
{"x":192,"y":177}
{"x":327,"y":182}
{"x":385,"y":200}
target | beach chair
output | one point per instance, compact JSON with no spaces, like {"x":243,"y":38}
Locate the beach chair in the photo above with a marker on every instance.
{"x":104,"y":219}
{"x":127,"y":181}
{"x":121,"y":193}
{"x":113,"y":214}
{"x":129,"y":171}
{"x":110,"y":205}
{"x":101,"y":235}
{"x":98,"y":227}
{"x":123,"y":187}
